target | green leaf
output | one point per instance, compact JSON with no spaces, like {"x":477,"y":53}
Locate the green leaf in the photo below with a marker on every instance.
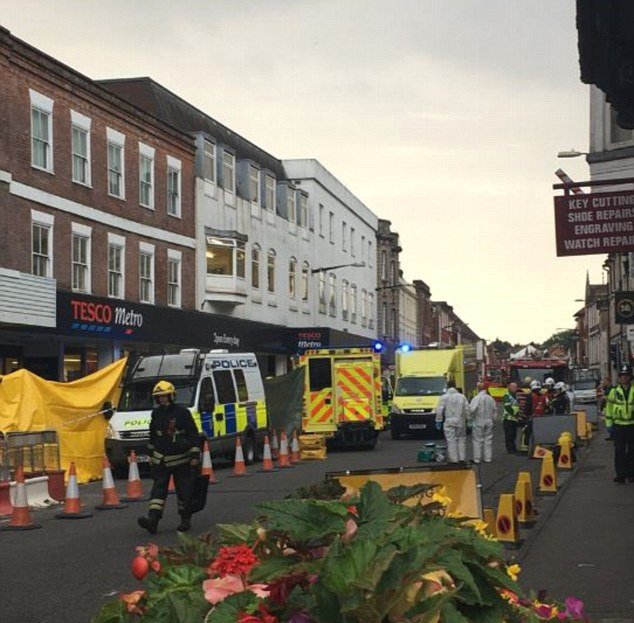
{"x":452,"y":563}
{"x":303,"y":520}
{"x":374,"y":510}
{"x":113,"y":612}
{"x":402,"y":493}
{"x":272,"y":568}
{"x":345,"y":566}
{"x":227,"y":611}
{"x":450,"y":614}
{"x":326,"y":608}
{"x":236,"y":533}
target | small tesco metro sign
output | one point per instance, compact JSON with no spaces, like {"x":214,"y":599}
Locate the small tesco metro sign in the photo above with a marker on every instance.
{"x":594,"y":223}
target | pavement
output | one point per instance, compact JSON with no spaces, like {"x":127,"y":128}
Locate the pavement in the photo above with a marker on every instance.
{"x":583,"y":543}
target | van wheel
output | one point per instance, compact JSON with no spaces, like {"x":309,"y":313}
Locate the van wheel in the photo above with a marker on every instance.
{"x":248,"y":449}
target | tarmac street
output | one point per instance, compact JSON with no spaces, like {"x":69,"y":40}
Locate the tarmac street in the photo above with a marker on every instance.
{"x":66,"y":570}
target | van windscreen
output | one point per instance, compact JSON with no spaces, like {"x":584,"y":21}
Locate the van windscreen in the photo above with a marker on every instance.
{"x":137,"y":396}
{"x":420,"y":386}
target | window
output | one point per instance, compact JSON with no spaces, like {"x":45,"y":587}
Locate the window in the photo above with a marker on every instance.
{"x":370,"y":252}
{"x":305,"y":275}
{"x":322,"y":292}
{"x":385,"y":319}
{"x":173,"y":186}
{"x":352,"y":232}
{"x":241,"y":385}
{"x":224,"y":386}
{"x":80,"y":147}
{"x":270,"y":271}
{"x":225,"y":257}
{"x":394,"y":273}
{"x":146,"y":176}
{"x":173,"y":278}
{"x":619,"y":135}
{"x":362,"y":245}
{"x":209,"y":161}
{"x":384,"y":265}
{"x":255,"y":266}
{"x":269,"y":193}
{"x":254,"y":184}
{"x":344,"y":299}
{"x":116,"y":163}
{"x":80,"y":262}
{"x":292,"y":278}
{"x":41,"y":249}
{"x":228,"y":170}
{"x":41,"y":131}
{"x":116,"y":265}
{"x":146,"y":273}
{"x":303,"y":210}
{"x":319,"y":373}
{"x":344,"y":236}
{"x":321,"y":220}
{"x":371,"y":310}
{"x":333,"y":294}
{"x":290,"y":205}
{"x":353,"y":303}
{"x":364,"y":307}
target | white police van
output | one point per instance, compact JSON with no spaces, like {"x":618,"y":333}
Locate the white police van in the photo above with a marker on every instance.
{"x":223,"y":391}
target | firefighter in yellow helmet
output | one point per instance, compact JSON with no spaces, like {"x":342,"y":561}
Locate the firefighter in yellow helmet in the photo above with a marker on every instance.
{"x":174,"y":451}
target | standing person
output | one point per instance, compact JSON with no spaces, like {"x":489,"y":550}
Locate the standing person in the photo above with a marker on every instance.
{"x":453,"y":407}
{"x":483,"y":412}
{"x":510,"y":418}
{"x":619,"y":416}
{"x":536,"y":404}
{"x":603,"y":391}
{"x":560,"y":404}
{"x":174,"y":452}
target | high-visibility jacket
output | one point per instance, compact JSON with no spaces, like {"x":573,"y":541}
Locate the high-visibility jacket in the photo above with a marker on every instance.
{"x":511,"y":407}
{"x":173,"y":436}
{"x":620,"y":406}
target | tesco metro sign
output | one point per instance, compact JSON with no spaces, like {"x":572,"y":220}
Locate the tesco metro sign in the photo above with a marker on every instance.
{"x":102,"y":314}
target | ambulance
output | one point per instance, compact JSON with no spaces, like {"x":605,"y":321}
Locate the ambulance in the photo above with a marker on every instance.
{"x":342,"y":395}
{"x":223,"y":391}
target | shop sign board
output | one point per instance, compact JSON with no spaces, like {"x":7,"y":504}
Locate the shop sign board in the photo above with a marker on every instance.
{"x":594,"y":223}
{"x":624,"y":307}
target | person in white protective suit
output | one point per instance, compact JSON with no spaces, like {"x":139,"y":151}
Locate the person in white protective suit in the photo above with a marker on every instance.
{"x":453,"y":408}
{"x":483,"y":414}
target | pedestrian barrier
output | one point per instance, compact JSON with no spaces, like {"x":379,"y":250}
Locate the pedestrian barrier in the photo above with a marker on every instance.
{"x":36,"y":452}
{"x":267,"y":458}
{"x":295,"y":449}
{"x":21,"y":518}
{"x":548,"y":477}
{"x":72,"y":503}
{"x":461,"y":483}
{"x":489,"y":519}
{"x":134,"y":487}
{"x":312,"y":447}
{"x":524,"y":507}
{"x":207,"y":468}
{"x":110,"y":496}
{"x":275,"y":446}
{"x":239,"y":466}
{"x":565,"y":456}
{"x":38,"y":492}
{"x":506,"y":523}
{"x":284,"y":459}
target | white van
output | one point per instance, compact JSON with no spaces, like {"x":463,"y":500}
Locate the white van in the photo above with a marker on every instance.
{"x":223,"y":391}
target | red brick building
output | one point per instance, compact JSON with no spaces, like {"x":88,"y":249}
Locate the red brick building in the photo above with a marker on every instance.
{"x":97,"y":220}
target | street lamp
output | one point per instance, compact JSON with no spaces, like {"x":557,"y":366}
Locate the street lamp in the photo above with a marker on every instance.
{"x":395,"y":286}
{"x":571,"y":153}
{"x":325,"y":268}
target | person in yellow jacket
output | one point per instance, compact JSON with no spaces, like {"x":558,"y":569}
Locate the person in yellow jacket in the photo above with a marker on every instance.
{"x":174,"y":452}
{"x":619,"y":418}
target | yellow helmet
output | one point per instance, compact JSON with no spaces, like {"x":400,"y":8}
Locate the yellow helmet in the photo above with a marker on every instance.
{"x":163,"y":388}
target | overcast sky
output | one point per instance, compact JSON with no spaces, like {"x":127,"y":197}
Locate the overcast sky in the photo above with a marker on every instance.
{"x":442,"y":116}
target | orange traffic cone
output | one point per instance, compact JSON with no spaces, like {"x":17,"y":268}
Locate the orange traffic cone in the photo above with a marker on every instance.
{"x":239,"y":467}
{"x":489,"y":519}
{"x":295,"y":457}
{"x":548,"y":477}
{"x":110,"y":496}
{"x":506,"y":526}
{"x":207,"y":468}
{"x":284,"y":460}
{"x":134,"y":488}
{"x":171,"y":487}
{"x":275,"y":446}
{"x":21,"y":519}
{"x":267,"y":459}
{"x":72,"y":504}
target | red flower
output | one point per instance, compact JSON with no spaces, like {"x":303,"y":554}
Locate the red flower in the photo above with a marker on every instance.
{"x":264,"y":617}
{"x":280,"y":589}
{"x":233,"y":560}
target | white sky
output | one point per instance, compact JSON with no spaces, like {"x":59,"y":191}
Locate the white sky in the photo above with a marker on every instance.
{"x":443,"y":116}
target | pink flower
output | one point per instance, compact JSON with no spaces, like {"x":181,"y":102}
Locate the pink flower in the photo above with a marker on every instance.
{"x":574,"y":608}
{"x":218,"y":589}
{"x":351,"y":529}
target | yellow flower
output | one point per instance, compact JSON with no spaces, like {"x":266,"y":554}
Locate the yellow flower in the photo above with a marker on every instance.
{"x":513,"y":571}
{"x":481,"y":527}
{"x":440,"y":496}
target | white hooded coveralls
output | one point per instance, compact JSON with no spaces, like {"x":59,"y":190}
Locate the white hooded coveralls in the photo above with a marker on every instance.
{"x":483,"y":413}
{"x":454,"y":407}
